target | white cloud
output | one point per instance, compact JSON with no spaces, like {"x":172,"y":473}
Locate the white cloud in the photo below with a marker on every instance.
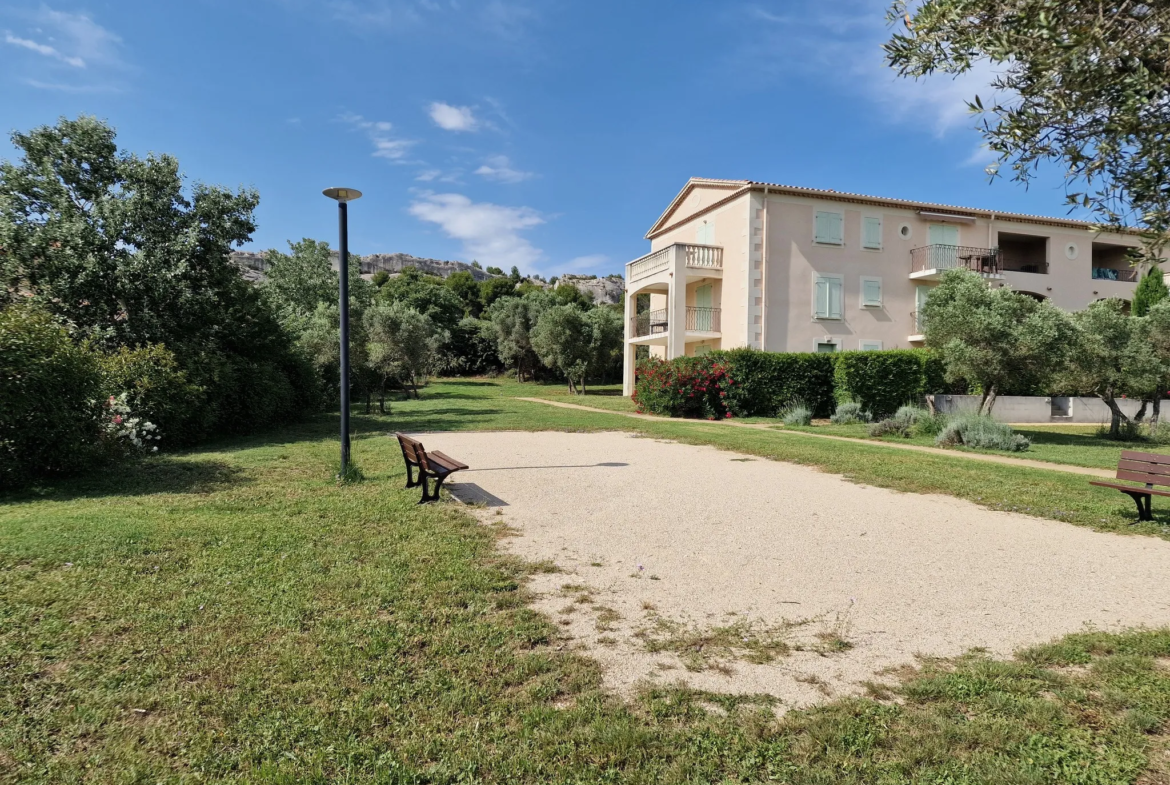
{"x":489,"y":232}
{"x":500,"y":168}
{"x":438,"y":176}
{"x":378,"y":131}
{"x":43,"y":49}
{"x":587,"y":262}
{"x":453,"y":118}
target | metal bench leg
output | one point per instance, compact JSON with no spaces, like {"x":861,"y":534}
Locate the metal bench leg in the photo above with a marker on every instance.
{"x":422,"y":480}
{"x":432,"y":496}
{"x":410,"y":483}
{"x":1142,"y":500}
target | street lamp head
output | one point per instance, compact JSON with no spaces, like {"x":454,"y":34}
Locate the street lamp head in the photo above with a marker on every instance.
{"x":343,"y":194}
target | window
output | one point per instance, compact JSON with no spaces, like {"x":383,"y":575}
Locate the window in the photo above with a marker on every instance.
{"x":943,"y":234}
{"x":871,"y":292}
{"x":826,"y":347}
{"x":871,"y":233}
{"x":706,"y":234}
{"x":871,"y":346}
{"x":829,"y":228}
{"x":828,"y":296}
{"x":702,"y":349}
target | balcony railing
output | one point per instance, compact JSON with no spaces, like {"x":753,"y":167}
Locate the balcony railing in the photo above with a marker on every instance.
{"x":648,"y":323}
{"x":1113,"y":274}
{"x":950,"y":257}
{"x":700,"y":256}
{"x":703,"y":320}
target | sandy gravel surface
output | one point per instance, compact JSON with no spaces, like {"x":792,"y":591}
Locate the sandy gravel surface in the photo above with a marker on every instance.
{"x":662,"y":542}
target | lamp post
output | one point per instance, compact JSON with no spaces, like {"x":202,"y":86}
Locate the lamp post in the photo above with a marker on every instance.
{"x":343,"y":196}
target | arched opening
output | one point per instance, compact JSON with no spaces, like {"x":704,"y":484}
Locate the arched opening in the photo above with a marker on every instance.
{"x":1035,"y":296}
{"x":1125,"y":304}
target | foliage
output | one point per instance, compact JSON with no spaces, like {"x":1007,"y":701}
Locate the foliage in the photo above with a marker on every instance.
{"x":50,"y":392}
{"x":880,"y":381}
{"x":155,"y":387}
{"x":425,"y":294}
{"x":493,"y":289}
{"x":1085,"y":86}
{"x":567,"y":294}
{"x":494,"y":271}
{"x":297,"y":282}
{"x":978,"y":430}
{"x":562,"y":339}
{"x":995,"y":338}
{"x":1113,"y":355}
{"x":891,"y":426}
{"x":124,"y":431}
{"x":850,"y":413}
{"x":796,"y":413}
{"x":470,"y":350}
{"x":1150,"y":291}
{"x":403,"y":342}
{"x":684,"y":387}
{"x":607,"y":342}
{"x":514,"y":319}
{"x":766,"y":382}
{"x":466,"y":288}
{"x":379,"y":279}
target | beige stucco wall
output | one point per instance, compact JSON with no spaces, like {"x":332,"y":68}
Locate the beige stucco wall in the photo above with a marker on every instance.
{"x":793,"y":259}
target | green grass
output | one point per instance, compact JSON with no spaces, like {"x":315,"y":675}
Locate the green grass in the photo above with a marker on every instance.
{"x":1074,"y":445}
{"x":235,"y":614}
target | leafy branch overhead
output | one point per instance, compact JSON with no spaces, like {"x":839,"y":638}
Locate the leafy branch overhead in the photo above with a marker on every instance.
{"x":1080,"y":83}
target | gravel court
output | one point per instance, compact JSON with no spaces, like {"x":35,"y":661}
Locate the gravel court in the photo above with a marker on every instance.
{"x":655,"y":539}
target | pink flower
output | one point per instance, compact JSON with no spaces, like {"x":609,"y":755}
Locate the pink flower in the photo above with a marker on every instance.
{"x":729,"y":415}
{"x":117,"y":419}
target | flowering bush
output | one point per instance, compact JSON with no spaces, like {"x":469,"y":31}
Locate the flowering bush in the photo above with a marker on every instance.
{"x":684,"y":387}
{"x":125,"y":433}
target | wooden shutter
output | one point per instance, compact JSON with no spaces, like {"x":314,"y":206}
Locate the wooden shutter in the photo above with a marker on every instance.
{"x":828,"y":228}
{"x":943,"y":234}
{"x":871,"y":233}
{"x":871,"y":292}
{"x":836,"y":298}
{"x":822,"y":298}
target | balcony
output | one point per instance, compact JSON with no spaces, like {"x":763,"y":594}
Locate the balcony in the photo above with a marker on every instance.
{"x":695,"y":257}
{"x":1127,"y":275}
{"x":930,"y":261}
{"x":650,"y":324}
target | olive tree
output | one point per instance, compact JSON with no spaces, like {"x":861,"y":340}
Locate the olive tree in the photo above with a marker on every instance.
{"x":514,"y":319}
{"x":402,"y":343}
{"x":1082,"y":84}
{"x":994,"y":337}
{"x":562,"y":340}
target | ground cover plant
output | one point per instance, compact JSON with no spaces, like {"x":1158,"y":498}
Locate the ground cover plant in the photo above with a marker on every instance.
{"x":234,"y":615}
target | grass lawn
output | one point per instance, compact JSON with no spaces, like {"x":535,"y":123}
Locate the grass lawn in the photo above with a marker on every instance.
{"x":1076,"y":445}
{"x":232,"y":615}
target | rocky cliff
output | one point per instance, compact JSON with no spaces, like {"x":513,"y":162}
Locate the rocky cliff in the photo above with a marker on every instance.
{"x":602,"y":290}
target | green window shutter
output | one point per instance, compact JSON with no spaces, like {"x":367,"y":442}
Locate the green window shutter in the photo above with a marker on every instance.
{"x":836,"y":298}
{"x":871,"y":292}
{"x":828,"y":228}
{"x":703,"y":297}
{"x":822,"y":298}
{"x":943,"y":234}
{"x":871,"y":233}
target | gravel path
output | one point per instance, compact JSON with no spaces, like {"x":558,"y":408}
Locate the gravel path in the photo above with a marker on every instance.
{"x":688,"y":549}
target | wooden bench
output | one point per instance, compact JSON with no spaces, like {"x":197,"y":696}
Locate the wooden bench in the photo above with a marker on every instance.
{"x":429,"y":464}
{"x":1146,"y":467}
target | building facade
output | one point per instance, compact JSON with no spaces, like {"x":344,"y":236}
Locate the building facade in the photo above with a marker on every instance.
{"x":738,"y":263}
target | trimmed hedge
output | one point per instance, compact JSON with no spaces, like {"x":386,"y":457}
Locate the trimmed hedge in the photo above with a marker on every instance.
{"x":767,"y":382}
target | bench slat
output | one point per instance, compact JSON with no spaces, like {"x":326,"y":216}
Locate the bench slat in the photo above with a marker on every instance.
{"x":1155,"y":479}
{"x":1145,"y":457}
{"x":1134,"y":488}
{"x":1160,"y":469}
{"x":447,"y":461}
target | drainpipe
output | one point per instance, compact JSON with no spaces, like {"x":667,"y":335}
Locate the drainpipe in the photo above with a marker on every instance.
{"x":764,"y":278}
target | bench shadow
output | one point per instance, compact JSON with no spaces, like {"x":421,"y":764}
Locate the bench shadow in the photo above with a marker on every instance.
{"x":470,"y":493}
{"x":565,"y":466}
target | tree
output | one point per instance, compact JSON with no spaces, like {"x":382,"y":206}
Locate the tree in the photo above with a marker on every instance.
{"x":476,"y":265}
{"x":1155,"y":332}
{"x":515,"y":276}
{"x":494,"y":288}
{"x":561,"y":340}
{"x":1149,"y":291}
{"x":470,"y":349}
{"x":1084,"y":85}
{"x":379,"y":279}
{"x":466,"y":288}
{"x":402,"y":342}
{"x":425,"y":294}
{"x":993,"y":337}
{"x":1112,"y":356}
{"x":567,"y":294}
{"x":494,"y":271}
{"x":607,"y":341}
{"x":514,"y":319}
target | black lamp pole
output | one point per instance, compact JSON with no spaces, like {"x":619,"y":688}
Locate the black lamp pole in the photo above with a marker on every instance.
{"x":343,"y":196}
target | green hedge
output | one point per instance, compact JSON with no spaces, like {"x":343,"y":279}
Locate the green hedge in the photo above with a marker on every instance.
{"x":766,"y":382}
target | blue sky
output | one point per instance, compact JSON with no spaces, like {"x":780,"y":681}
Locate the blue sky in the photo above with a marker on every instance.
{"x":546,"y":134}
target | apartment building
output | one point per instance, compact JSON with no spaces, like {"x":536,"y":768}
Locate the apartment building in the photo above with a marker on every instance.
{"x":739,"y":263}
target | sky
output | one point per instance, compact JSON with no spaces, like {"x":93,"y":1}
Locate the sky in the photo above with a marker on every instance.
{"x":548,"y":135}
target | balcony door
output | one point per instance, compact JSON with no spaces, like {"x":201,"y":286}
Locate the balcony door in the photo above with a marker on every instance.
{"x":703,"y":306}
{"x":943,"y":234}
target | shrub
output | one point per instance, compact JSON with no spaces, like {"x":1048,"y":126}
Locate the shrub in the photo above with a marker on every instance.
{"x":891,"y":426}
{"x":796,"y":414}
{"x":974,"y":430}
{"x":880,"y":381}
{"x":849,"y":413}
{"x":767,"y":382}
{"x":684,"y":387}
{"x":157,"y":390}
{"x":50,"y":398}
